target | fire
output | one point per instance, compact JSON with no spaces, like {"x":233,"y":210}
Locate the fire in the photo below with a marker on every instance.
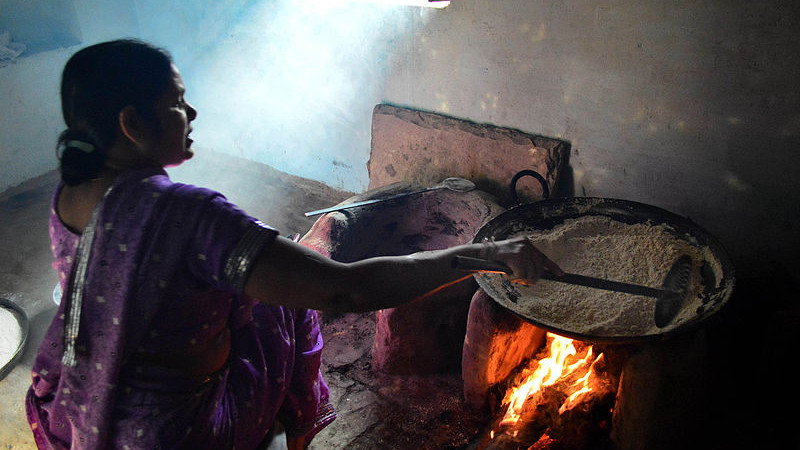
{"x":561,"y":363}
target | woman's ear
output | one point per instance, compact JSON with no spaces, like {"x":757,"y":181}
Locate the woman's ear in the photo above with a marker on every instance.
{"x":132,"y":126}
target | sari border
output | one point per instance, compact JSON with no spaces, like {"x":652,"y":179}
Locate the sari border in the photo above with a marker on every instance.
{"x":326,"y":413}
{"x":245,"y":253}
{"x":77,"y":283}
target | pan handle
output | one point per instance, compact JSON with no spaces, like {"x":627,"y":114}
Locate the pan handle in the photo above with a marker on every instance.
{"x":532,"y":173}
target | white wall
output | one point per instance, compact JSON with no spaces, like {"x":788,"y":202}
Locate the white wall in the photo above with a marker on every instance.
{"x":30,"y":112}
{"x":30,"y":118}
{"x":691,"y":106}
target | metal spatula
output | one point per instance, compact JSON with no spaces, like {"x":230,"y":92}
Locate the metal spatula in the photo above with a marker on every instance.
{"x":669,"y":298}
{"x":453,"y":183}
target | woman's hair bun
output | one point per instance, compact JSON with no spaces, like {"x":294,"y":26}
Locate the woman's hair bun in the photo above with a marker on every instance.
{"x":81,"y":158}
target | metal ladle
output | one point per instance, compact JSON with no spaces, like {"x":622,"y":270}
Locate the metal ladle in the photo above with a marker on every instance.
{"x":452,"y":183}
{"x":670,"y":298}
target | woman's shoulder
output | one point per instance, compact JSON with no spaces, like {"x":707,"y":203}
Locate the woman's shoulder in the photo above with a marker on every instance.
{"x":195,"y":191}
{"x":157,"y":182}
{"x":182,"y":199}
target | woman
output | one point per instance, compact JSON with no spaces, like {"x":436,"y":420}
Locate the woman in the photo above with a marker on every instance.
{"x":158,"y":342}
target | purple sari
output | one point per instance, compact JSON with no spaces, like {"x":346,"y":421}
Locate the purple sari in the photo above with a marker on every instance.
{"x":159,"y":272}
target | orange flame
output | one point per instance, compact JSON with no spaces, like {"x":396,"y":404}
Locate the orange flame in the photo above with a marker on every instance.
{"x":556,"y":366}
{"x":583,"y":383}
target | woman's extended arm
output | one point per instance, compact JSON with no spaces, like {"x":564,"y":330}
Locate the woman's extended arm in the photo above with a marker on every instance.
{"x":292,"y":275}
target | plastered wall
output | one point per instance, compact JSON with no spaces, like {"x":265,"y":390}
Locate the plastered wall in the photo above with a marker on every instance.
{"x":690,"y":106}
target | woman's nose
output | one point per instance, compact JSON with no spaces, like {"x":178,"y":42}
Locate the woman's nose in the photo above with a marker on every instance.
{"x":191,"y":113}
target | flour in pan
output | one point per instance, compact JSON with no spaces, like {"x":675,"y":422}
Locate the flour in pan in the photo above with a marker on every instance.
{"x":604,"y":248}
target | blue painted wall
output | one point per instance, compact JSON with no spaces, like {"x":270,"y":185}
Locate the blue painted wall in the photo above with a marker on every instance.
{"x":287,"y":83}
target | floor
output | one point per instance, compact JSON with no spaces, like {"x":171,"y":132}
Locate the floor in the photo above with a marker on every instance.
{"x":375,"y":411}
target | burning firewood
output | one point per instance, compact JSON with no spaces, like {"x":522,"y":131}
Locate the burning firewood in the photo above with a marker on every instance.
{"x":563,"y":401}
{"x":546,"y":442}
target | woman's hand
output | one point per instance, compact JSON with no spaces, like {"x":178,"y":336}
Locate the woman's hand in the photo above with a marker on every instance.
{"x":526,"y":262}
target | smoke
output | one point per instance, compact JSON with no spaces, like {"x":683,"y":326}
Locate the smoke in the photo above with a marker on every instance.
{"x":292,"y":84}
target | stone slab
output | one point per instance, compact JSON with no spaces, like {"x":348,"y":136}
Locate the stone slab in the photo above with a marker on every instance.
{"x":425,"y":148}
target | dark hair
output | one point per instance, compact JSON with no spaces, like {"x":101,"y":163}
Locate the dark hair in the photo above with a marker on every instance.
{"x":97,"y":83}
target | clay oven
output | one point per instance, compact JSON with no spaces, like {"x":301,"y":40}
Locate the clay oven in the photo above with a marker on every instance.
{"x":636,"y":395}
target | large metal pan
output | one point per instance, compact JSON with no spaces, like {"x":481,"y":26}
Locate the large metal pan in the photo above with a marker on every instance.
{"x":538,"y":217}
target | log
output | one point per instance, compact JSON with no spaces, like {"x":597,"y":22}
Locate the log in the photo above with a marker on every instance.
{"x":497,"y":343}
{"x":663,"y":397}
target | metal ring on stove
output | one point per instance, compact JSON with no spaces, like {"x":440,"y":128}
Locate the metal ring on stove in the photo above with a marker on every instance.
{"x":22,"y":319}
{"x":530,"y":173}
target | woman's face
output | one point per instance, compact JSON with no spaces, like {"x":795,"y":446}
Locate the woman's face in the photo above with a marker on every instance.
{"x":171,"y":144}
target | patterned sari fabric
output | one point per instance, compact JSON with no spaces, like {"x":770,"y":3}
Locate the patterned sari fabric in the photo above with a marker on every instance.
{"x":158,"y":274}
